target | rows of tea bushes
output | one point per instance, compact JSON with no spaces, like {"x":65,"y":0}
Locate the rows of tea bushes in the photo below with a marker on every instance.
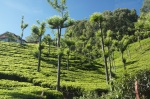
{"x":19,"y":63}
{"x":18,"y":66}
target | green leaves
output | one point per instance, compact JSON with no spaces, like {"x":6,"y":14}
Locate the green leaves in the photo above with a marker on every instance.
{"x":69,"y":22}
{"x":146,"y":7}
{"x":47,"y":39}
{"x":56,"y":22}
{"x":35,"y":29}
{"x":139,"y":24}
{"x":60,"y":51}
{"x":69,"y":43}
{"x":39,"y":30}
{"x":96,"y":17}
{"x":59,"y":7}
{"x":23,"y":25}
{"x":42,"y":28}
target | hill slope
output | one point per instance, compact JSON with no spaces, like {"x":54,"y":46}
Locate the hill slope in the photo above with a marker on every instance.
{"x":19,"y":63}
{"x":19,"y":78}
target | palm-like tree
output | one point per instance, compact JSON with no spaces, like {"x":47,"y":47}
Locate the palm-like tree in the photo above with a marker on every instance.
{"x":69,"y":44}
{"x":47,"y":40}
{"x":98,"y":18}
{"x":57,"y":22}
{"x":108,"y":43}
{"x":122,"y":45}
{"x":23,"y":26}
{"x":39,"y":31}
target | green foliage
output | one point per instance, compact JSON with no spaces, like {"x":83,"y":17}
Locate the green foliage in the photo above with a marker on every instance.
{"x":18,"y":63}
{"x":60,"y":51}
{"x":23,"y":68}
{"x":145,"y":7}
{"x":47,"y":39}
{"x":23,"y":26}
{"x":88,"y":95}
{"x":32,"y":38}
{"x":59,"y":7}
{"x":55,"y":22}
{"x":123,"y":19}
{"x":39,"y":30}
{"x":124,"y":87}
{"x":16,"y":90}
{"x":35,"y":30}
{"x":96,"y":17}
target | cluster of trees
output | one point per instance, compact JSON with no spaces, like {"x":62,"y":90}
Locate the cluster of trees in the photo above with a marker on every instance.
{"x":56,"y":23}
{"x":108,"y":31}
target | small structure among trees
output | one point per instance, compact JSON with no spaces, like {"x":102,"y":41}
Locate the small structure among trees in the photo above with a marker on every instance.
{"x":11,"y":37}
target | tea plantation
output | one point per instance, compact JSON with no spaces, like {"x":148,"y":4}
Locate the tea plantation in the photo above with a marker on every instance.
{"x":19,"y":78}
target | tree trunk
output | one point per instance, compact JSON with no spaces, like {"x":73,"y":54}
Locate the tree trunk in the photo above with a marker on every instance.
{"x":103,"y":50}
{"x":59,"y":61}
{"x":21,"y":37}
{"x":136,"y":90}
{"x":113,"y":61}
{"x":39,"y":55}
{"x":109,"y":63}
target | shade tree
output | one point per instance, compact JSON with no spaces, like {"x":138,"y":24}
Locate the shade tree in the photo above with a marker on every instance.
{"x":69,"y":46}
{"x":98,"y":19}
{"x":108,"y":43}
{"x":139,"y":27}
{"x":23,"y":26}
{"x":39,"y":31}
{"x":122,"y":46}
{"x":47,"y":39}
{"x":59,"y":22}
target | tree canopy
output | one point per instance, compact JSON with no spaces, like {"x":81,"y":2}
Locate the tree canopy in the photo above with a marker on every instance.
{"x":146,"y":7}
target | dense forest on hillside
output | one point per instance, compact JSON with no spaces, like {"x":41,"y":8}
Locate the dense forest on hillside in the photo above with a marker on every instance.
{"x":103,"y":57}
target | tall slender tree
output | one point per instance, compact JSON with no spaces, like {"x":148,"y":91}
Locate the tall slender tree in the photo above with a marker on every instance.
{"x":98,"y":18}
{"x":39,"y":31}
{"x":57,"y":22}
{"x":108,"y":43}
{"x":47,"y":39}
{"x":122,"y":45}
{"x":139,"y":27}
{"x":69,"y":44}
{"x":23,"y":26}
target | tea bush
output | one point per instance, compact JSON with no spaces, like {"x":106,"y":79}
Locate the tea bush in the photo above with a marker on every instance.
{"x":124,"y":88}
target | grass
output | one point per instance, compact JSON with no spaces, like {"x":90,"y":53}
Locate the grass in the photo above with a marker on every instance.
{"x":19,"y":77}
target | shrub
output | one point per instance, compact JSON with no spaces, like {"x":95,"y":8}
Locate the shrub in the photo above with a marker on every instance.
{"x":88,"y":95}
{"x":52,"y":94}
{"x":124,"y":87}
